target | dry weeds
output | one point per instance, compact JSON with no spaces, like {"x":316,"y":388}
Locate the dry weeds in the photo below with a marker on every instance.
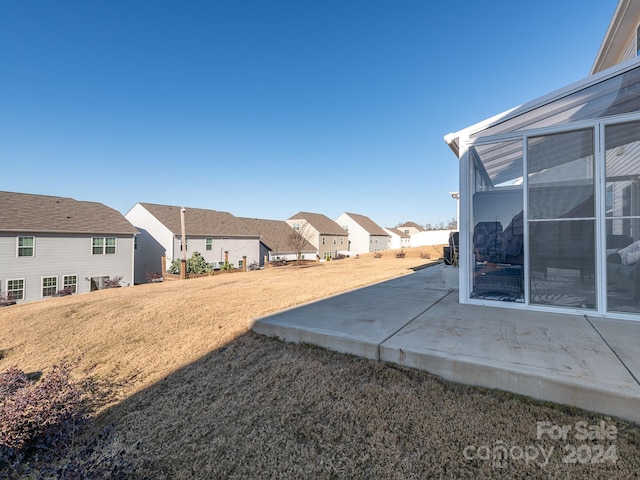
{"x":207,"y":399}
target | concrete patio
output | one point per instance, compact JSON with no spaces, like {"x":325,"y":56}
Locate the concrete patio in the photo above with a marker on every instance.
{"x":588,"y":362}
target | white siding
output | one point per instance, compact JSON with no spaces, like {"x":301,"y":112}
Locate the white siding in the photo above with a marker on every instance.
{"x":360,"y":241}
{"x":237,"y":248}
{"x":153,"y":241}
{"x":57,"y":255}
{"x":431,"y":237}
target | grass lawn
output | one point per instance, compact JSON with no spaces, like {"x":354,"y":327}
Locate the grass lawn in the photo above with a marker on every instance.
{"x":202,"y":397}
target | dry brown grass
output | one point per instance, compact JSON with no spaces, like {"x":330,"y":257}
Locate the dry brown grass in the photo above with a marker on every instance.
{"x":131,"y":337}
{"x":207,"y":399}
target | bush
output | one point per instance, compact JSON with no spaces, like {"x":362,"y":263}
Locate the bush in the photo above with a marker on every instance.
{"x":196,"y":264}
{"x":40,"y":427}
{"x":38,"y":417}
{"x":113,"y":282}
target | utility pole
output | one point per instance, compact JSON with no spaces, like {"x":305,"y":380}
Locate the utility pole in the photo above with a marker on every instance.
{"x":183,"y":246}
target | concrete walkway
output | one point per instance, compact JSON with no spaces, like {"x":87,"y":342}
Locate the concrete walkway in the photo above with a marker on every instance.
{"x":591,"y":363}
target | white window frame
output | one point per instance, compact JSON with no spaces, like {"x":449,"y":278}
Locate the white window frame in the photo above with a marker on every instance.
{"x":32,"y":247}
{"x":48,"y":287}
{"x":103,"y":247}
{"x":24,"y":287}
{"x":208,"y":244}
{"x":65,"y":284}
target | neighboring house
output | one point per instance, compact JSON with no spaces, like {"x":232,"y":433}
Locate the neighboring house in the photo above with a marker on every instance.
{"x":217,"y":236}
{"x":323,"y":233}
{"x":411,"y":228}
{"x":397,"y":238}
{"x":364,"y":234}
{"x":275,"y":237}
{"x":50,"y":243}
{"x":549,"y":192}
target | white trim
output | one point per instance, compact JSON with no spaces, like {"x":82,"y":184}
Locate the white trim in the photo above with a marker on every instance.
{"x":71,"y":275}
{"x":42,"y":286}
{"x":24,"y":287}
{"x":18,"y":247}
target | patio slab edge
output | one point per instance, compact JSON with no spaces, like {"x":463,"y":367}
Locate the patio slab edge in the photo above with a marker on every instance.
{"x":469,"y":371}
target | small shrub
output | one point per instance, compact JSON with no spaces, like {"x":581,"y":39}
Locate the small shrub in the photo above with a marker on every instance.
{"x":38,"y":417}
{"x":425,"y":255}
{"x":113,"y":282}
{"x":40,"y":431}
{"x":195,"y":265}
{"x":152,"y":277}
{"x":253,"y":266}
{"x":6,"y":299}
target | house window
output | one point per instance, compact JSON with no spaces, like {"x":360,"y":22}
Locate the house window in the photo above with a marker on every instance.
{"x":296,"y":227}
{"x":110,"y":245}
{"x":135,"y":243}
{"x":341,"y":240}
{"x":323,"y":240}
{"x":335,"y":241}
{"x":240,"y":263}
{"x":70,"y":282}
{"x":15,"y":289}
{"x":186,"y":246}
{"x":26,"y":246}
{"x":49,"y":286}
{"x":103,"y":245}
{"x":209,"y":244}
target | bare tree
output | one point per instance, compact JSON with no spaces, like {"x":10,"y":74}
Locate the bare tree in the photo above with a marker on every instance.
{"x":453,"y":224}
{"x":298,"y":237}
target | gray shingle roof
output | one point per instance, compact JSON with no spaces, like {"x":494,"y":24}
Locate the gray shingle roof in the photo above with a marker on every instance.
{"x":369,"y":225}
{"x":200,"y":222}
{"x":24,"y":212}
{"x":412,"y":224}
{"x":322,"y":223}
{"x":400,"y":233}
{"x":275,"y":235}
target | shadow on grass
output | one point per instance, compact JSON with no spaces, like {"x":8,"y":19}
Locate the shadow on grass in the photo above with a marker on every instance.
{"x":259,"y":407}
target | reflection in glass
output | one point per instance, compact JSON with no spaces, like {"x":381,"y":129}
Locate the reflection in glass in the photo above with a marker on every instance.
{"x":498,"y":253}
{"x":622,"y":203}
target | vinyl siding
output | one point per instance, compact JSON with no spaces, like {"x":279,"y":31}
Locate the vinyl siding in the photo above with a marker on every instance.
{"x":237,"y":248}
{"x":57,"y":255}
{"x":154,"y":241}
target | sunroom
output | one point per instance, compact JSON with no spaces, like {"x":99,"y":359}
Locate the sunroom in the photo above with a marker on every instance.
{"x":550,"y":200}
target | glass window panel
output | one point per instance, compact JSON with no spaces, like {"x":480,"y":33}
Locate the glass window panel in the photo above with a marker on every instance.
{"x":98,"y":246}
{"x":561,"y":175}
{"x":71,"y":282}
{"x":110,"y":245}
{"x":49,"y":286}
{"x":25,"y":246}
{"x":15,"y":289}
{"x":497,"y":216}
{"x":623,"y":265}
{"x":622,"y":160}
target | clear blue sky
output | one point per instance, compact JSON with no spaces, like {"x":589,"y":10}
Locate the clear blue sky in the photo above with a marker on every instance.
{"x":263,"y":108}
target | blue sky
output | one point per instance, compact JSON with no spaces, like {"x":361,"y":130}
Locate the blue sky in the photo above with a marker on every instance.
{"x":265,"y":108}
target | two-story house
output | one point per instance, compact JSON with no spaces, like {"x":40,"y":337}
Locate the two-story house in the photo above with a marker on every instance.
{"x":364,"y":234}
{"x":323,"y":233}
{"x":49,"y":244}
{"x":411,"y":228}
{"x":398,"y":238}
{"x":218,"y":236}
{"x":276,"y":238}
